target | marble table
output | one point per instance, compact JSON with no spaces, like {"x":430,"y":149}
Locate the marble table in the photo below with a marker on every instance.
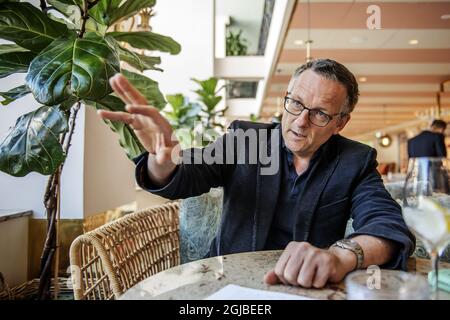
{"x":199,"y":279}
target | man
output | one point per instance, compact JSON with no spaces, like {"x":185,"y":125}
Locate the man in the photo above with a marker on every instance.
{"x":429,"y":143}
{"x":303,"y":205}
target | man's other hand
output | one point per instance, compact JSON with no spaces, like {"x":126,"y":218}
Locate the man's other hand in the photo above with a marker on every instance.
{"x":302,"y":264}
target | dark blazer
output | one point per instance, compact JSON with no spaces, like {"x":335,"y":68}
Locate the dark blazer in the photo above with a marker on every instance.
{"x":344,"y":182}
{"x":427,"y":144}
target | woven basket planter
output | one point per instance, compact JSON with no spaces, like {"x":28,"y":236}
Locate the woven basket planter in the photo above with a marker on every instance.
{"x":29,"y":290}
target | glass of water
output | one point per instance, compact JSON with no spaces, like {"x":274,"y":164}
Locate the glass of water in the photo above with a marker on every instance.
{"x":386,"y":285}
{"x":426,"y":206}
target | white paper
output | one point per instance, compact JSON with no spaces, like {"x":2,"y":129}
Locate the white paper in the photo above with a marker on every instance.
{"x":235,"y":292}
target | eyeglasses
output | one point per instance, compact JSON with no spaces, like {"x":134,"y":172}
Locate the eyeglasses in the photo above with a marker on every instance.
{"x":315,"y":116}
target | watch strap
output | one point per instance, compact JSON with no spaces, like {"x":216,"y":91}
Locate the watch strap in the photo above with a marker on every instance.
{"x":353,"y":246}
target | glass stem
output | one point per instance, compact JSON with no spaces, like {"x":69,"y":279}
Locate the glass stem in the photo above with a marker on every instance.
{"x":435,"y":267}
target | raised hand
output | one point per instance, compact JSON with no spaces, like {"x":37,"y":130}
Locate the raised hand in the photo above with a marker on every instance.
{"x":151,"y":128}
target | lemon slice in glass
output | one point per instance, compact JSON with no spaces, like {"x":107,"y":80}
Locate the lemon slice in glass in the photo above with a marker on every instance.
{"x":429,"y":220}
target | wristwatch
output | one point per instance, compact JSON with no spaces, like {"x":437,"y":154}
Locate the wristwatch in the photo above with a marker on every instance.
{"x":354,"y":247}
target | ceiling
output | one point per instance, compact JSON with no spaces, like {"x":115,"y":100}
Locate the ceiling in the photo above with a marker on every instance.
{"x":401,"y":79}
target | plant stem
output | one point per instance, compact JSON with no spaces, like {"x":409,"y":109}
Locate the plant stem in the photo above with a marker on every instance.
{"x":43,"y":5}
{"x":84,"y":18}
{"x":57,"y":243}
{"x":51,"y":199}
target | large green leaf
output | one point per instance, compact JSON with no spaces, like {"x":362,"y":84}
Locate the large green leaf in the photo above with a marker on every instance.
{"x":14,"y":62}
{"x":73,"y":66}
{"x":150,"y":62}
{"x":68,"y":103}
{"x":101,"y":11}
{"x":148,"y":40}
{"x":148,"y":87}
{"x":27,"y":26}
{"x":108,"y":12}
{"x":8,"y":48}
{"x":130,"y":8}
{"x":14,"y":94}
{"x":33,"y":143}
{"x":127,"y":138}
{"x":139,"y":61}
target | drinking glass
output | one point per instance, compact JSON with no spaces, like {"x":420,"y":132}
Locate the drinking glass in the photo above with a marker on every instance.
{"x":425,"y":206}
{"x":386,"y":285}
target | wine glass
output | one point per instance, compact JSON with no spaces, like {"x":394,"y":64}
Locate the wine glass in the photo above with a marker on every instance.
{"x":426,"y":206}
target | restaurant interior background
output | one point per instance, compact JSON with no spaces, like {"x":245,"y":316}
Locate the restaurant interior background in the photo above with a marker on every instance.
{"x":399,"y":51}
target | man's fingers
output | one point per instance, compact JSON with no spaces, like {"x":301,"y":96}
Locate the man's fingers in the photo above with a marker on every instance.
{"x":151,"y":118}
{"x":124,"y":117}
{"x":307,"y":271}
{"x":144,"y":110}
{"x":281,"y":265}
{"x":321,"y":276}
{"x":271,"y":278}
{"x":125,"y":89}
{"x":118,"y":90}
{"x":293,"y":267}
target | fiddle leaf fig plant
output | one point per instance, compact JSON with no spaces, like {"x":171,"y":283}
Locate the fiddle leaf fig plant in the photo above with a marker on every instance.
{"x":68,"y":50}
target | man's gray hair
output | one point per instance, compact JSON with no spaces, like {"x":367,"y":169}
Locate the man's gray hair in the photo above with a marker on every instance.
{"x":332,"y":70}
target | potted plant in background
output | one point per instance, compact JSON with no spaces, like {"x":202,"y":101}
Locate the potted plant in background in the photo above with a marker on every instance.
{"x":183,"y":116}
{"x":235,"y":45}
{"x":211,"y":118}
{"x":68,"y":50}
{"x":197,"y":124}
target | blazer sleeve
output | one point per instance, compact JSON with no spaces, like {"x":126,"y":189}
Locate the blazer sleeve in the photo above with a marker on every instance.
{"x":375,"y":213}
{"x":200,"y":170}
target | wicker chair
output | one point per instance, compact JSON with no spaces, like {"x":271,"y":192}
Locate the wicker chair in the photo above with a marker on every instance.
{"x":111,"y":259}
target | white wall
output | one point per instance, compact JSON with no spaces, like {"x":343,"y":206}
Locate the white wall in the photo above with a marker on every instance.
{"x":240,"y":68}
{"x":108,"y":173}
{"x":190,"y":22}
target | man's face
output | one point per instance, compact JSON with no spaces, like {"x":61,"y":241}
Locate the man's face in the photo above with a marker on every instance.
{"x":315,"y":92}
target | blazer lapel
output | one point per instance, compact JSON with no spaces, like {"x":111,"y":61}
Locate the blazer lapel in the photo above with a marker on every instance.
{"x":267,"y":190}
{"x":315,"y":184}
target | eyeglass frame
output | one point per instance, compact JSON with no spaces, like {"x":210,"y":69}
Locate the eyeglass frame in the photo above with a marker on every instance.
{"x":329,"y":116}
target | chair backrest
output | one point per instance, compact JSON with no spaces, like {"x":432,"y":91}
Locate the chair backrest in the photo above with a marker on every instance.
{"x":109,"y":260}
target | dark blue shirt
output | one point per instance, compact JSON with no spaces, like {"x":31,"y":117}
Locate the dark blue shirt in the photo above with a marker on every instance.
{"x":292,"y":184}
